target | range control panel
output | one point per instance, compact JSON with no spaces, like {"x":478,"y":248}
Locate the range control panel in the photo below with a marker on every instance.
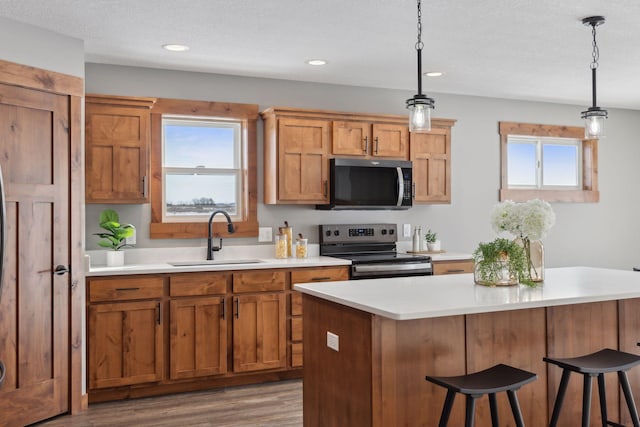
{"x":354,"y":233}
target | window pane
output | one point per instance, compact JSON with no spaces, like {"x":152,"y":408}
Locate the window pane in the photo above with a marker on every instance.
{"x":210,"y":146}
{"x":200,"y":194}
{"x":560,"y":165}
{"x":521,"y":166}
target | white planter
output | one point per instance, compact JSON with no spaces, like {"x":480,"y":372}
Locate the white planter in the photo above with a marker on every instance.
{"x":434,"y":247}
{"x":115,"y":258}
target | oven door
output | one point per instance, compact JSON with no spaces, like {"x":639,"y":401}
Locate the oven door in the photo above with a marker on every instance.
{"x":390,"y":269}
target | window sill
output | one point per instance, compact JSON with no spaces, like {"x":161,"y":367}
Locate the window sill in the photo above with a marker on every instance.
{"x":191,"y":230}
{"x":575,"y":196}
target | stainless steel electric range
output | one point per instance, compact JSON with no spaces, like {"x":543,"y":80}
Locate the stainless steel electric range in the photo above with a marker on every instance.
{"x":372,"y":250}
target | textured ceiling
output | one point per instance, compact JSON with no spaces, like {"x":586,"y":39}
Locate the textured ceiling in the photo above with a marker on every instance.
{"x":532,"y":50}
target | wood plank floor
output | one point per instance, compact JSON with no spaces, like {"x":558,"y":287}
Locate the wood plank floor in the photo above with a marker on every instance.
{"x":276,"y":404}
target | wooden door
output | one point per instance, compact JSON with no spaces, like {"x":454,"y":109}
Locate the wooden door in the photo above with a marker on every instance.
{"x":431,"y":157}
{"x":302,"y":161}
{"x":34,"y":308}
{"x":198,"y":337}
{"x":351,"y":138}
{"x":125,"y":343}
{"x":117,"y":147}
{"x":259,"y":332}
{"x":390,"y":141}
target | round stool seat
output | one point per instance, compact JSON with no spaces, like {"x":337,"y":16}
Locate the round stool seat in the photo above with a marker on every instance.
{"x":492,"y":380}
{"x":602,"y":361}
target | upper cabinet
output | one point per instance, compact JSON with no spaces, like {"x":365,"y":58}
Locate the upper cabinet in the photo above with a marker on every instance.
{"x":366,"y":139}
{"x":431,"y":157}
{"x":299,"y":143}
{"x":117,"y":138}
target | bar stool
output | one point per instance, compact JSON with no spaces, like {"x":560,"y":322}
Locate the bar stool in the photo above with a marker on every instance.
{"x":490,"y":381}
{"x":591,"y":365}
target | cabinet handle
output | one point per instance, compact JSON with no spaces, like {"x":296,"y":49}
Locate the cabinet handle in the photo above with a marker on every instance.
{"x":224,"y":308}
{"x":376,"y":145}
{"x":366,"y":144}
{"x":237,"y":308}
{"x":159,"y":318}
{"x":326,"y":187}
{"x":459,"y":270}
{"x":320,"y":279}
{"x":144,"y":186}
{"x":127,"y":289}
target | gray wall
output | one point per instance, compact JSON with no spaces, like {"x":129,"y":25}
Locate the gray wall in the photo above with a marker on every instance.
{"x":37,"y":47}
{"x":601,"y":234}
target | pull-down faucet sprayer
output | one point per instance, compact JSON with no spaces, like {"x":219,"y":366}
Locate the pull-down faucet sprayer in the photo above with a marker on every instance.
{"x":210,"y":248}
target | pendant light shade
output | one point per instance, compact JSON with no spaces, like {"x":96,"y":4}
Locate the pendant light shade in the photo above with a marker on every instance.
{"x":594,"y":116}
{"x":420,"y":105}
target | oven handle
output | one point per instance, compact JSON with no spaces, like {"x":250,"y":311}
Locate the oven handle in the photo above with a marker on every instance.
{"x":391,"y":267}
{"x":400,"y":186}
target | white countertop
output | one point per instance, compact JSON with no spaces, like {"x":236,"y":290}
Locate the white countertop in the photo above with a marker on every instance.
{"x":163,"y":267}
{"x":450,"y":256}
{"x":420,"y":297}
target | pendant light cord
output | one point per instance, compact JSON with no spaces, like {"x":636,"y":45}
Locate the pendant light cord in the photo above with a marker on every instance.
{"x":596,"y":52}
{"x":419,"y":46}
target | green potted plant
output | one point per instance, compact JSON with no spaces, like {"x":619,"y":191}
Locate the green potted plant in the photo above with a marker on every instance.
{"x":501,"y":262}
{"x":433,"y":244}
{"x":114,"y":236}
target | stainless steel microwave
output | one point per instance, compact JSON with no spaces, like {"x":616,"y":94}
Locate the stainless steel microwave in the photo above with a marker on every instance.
{"x":369,"y":184}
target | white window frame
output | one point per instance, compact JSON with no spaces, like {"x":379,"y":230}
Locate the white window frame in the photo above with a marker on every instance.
{"x":239,"y":162}
{"x":539,"y":143}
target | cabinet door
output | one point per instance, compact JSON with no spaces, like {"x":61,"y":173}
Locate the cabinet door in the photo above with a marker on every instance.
{"x":259,"y":332}
{"x":351,"y":138}
{"x":453,"y":267}
{"x":198,"y":337}
{"x":431,"y":157}
{"x":117,"y":147}
{"x":125,"y":343}
{"x":302,"y":162}
{"x":390,"y":141}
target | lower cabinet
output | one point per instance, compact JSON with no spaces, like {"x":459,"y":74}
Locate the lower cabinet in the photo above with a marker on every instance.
{"x":125,"y":343}
{"x":259,"y":332}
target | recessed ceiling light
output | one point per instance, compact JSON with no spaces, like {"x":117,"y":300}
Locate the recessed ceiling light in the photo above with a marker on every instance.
{"x":175,"y":47}
{"x":434,"y":73}
{"x":316,"y":62}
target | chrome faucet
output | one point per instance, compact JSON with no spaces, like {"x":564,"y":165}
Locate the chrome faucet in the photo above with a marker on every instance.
{"x":210,"y":248}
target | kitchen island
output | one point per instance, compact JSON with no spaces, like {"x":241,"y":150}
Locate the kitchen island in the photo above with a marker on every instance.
{"x":387,"y":334}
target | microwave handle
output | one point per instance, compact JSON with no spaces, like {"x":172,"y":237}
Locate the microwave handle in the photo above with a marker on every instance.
{"x":400,"y":186}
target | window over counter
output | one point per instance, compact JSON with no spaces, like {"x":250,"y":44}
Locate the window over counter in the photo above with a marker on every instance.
{"x":547,"y":162}
{"x":203,"y":158}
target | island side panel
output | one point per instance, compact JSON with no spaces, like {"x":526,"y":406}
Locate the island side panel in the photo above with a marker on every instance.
{"x":337,"y":384}
{"x":629,"y":329}
{"x":404,"y":353}
{"x":517,"y":338}
{"x":574,"y":330}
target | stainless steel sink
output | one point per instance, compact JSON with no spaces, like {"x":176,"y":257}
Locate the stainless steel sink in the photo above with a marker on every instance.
{"x":215,"y":262}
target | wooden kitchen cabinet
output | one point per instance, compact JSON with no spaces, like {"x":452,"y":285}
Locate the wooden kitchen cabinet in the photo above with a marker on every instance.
{"x":431,"y":156}
{"x":117,"y":139}
{"x":125,"y":324}
{"x":453,"y":267}
{"x":366,"y":139}
{"x":198,"y":325}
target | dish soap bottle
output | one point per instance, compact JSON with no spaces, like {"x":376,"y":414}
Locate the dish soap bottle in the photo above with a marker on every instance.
{"x":416,"y":239}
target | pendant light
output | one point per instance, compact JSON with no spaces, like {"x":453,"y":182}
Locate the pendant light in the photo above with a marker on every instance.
{"x":420,"y":105}
{"x":594,"y":116}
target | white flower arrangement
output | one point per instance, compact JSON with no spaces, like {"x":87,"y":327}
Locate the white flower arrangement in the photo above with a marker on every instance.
{"x":529,"y":220}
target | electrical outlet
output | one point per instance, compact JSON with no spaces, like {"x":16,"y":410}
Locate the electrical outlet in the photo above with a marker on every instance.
{"x":265,"y":234}
{"x":333,"y":341}
{"x":406,"y":230}
{"x":131,"y":240}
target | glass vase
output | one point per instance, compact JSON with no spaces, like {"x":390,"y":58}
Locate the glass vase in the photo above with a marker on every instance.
{"x":534,"y":251}
{"x":494,"y":274}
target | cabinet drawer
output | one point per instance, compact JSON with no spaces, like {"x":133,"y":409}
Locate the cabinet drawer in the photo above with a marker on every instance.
{"x":258,"y":281}
{"x":194,"y":284}
{"x":328,"y":274}
{"x":296,"y":329}
{"x":296,"y":354}
{"x":119,"y":289}
{"x":453,"y":267}
{"x":296,"y":303}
